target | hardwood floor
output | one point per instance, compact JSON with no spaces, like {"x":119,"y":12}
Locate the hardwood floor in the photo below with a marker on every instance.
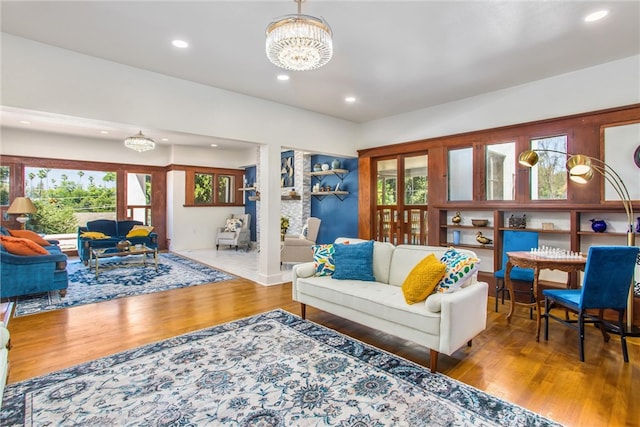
{"x":505,"y":360}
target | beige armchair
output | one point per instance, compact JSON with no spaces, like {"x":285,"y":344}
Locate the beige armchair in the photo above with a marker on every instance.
{"x":298,"y":249}
{"x":235,"y":232}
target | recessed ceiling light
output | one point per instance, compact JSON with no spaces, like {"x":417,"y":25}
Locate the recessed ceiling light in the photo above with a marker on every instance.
{"x":283,"y":77}
{"x":180,"y":44}
{"x":104,"y":132}
{"x":214,"y":145}
{"x":25,"y":122}
{"x":350,"y":99}
{"x":165,"y":139}
{"x":596,"y":16}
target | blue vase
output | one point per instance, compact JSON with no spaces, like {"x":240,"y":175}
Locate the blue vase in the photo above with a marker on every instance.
{"x":456,"y":237}
{"x":598,"y":225}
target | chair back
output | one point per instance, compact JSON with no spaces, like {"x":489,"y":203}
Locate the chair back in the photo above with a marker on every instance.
{"x":517,"y":241}
{"x":607,"y":276}
{"x":313,"y":226}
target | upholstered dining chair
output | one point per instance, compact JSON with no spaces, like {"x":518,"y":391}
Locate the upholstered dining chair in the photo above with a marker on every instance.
{"x":515,"y":241}
{"x":235,"y":232}
{"x":298,"y":248}
{"x":605,"y":285}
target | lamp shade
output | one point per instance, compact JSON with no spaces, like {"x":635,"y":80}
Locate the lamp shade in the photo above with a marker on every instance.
{"x":21,"y":205}
{"x":578,"y":164}
{"x":528,"y":158}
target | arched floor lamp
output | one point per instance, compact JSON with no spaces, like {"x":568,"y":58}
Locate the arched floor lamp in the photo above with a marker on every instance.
{"x":581,"y":170}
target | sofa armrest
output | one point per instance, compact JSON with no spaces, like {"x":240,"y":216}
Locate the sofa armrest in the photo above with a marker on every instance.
{"x":8,"y":258}
{"x":296,"y":241}
{"x":306,"y":269}
{"x":463,"y":316}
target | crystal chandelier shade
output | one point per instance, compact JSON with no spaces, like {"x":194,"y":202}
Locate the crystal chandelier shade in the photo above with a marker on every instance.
{"x":139,"y":142}
{"x":299,"y":42}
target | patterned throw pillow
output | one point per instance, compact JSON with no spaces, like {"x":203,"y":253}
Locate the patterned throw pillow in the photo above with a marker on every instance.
{"x":28,"y":234}
{"x":354,"y":262}
{"x":233,"y":224}
{"x":460,"y":268}
{"x":323,"y":259}
{"x":423,"y":279}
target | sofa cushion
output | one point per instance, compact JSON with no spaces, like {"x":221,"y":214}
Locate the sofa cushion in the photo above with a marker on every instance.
{"x":353,"y":261}
{"x":460,"y":268}
{"x":105,"y":226}
{"x":28,"y":234}
{"x":373,"y":298}
{"x":323,"y":259}
{"x":20,"y":246}
{"x":423,"y":279}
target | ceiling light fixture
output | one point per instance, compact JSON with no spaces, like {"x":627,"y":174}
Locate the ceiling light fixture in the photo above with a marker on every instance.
{"x":596,"y":16}
{"x":299,"y":42}
{"x":139,"y":142}
{"x":283,"y":77}
{"x":180,"y":44}
{"x":350,"y":99}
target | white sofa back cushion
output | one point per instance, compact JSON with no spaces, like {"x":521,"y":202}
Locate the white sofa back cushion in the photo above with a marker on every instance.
{"x":382,"y":253}
{"x":405,"y":257}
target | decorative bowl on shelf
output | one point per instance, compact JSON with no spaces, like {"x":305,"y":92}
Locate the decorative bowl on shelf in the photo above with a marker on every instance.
{"x":480,"y":222}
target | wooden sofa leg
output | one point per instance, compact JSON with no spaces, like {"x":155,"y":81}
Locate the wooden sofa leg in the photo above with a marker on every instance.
{"x":63,"y":292}
{"x":303,"y":310}
{"x":469,"y":343}
{"x":433,"y":361}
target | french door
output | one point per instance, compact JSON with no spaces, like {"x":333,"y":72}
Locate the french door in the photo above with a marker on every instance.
{"x":401,"y":199}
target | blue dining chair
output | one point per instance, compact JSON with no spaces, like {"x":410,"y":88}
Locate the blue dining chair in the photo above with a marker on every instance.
{"x":516,"y":241}
{"x":605,"y":285}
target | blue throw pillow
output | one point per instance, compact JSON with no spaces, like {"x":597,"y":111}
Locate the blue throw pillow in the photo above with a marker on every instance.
{"x":353,"y":261}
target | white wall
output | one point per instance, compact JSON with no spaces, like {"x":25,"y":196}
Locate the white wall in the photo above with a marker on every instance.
{"x":192,"y":228}
{"x":613,"y":84}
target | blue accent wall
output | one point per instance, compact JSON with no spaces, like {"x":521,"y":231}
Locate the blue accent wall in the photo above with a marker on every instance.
{"x":339,"y":218}
{"x":250,"y":206}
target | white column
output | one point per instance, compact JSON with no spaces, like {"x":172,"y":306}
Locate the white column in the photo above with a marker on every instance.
{"x":269,"y":212}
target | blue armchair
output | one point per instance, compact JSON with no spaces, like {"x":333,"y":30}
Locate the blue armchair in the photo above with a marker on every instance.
{"x":24,"y":275}
{"x":116,"y":230}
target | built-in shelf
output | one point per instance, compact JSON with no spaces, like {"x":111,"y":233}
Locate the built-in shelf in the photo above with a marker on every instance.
{"x":338,"y":172}
{"x":247,"y":189}
{"x":339,"y":194}
{"x":290,"y":197}
{"x":537,"y":230}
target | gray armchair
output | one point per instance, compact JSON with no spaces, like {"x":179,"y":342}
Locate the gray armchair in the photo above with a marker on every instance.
{"x":298,"y":249}
{"x":235,"y":232}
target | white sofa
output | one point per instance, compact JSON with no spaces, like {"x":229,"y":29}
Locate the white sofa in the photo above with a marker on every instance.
{"x":381,"y":305}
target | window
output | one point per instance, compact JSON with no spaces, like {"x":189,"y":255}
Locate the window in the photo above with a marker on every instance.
{"x":500,"y":171}
{"x":66,"y":198}
{"x":213,"y":187}
{"x":415,"y":180}
{"x":4,"y":185}
{"x":460,"y":175}
{"x":549,"y":176}
{"x":139,"y":197}
{"x":387,"y":182}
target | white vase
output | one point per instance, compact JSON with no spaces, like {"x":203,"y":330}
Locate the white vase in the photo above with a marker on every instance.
{"x":325,"y":166}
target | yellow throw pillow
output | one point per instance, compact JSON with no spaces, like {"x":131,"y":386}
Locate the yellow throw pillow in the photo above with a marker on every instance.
{"x":422,"y":280}
{"x":94,"y":235}
{"x":149,"y":228}
{"x":138,"y":232}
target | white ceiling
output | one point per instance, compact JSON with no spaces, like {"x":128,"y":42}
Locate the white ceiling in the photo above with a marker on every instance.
{"x":393,"y":56}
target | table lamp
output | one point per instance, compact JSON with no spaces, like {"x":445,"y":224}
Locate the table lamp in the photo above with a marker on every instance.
{"x":22,"y":206}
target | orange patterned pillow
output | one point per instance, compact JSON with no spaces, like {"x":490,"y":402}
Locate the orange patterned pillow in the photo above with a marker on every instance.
{"x":20,"y":246}
{"x":28,"y":234}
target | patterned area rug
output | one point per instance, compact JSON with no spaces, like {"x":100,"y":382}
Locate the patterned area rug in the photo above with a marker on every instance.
{"x":273,"y":369}
{"x":117,"y":281}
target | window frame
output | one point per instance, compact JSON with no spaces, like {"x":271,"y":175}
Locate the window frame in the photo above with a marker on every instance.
{"x":216,"y":173}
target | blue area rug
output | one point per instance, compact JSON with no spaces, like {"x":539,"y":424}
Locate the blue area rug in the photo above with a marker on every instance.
{"x":118,"y":280}
{"x":273,"y":369}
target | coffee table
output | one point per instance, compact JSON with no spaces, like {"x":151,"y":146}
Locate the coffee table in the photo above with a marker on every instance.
{"x":97,"y":254}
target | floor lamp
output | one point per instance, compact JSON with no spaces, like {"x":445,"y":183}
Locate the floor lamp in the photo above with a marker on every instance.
{"x":22,"y":206}
{"x":581,"y":170}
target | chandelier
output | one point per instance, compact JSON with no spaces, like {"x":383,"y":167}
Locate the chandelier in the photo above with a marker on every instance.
{"x":299,"y":42}
{"x":139,"y":142}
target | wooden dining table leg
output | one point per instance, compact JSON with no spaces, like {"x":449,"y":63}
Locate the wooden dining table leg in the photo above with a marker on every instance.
{"x":509,"y":285}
